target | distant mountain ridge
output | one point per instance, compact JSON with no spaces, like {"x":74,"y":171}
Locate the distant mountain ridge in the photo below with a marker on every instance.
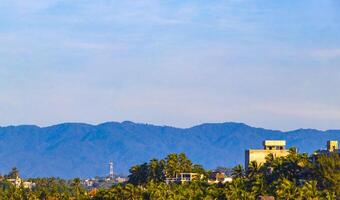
{"x":82,"y":150}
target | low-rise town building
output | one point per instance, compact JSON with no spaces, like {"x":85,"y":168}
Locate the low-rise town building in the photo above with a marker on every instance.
{"x":274,"y":147}
{"x":219,"y":177}
{"x":185,"y":177}
{"x":89,"y":182}
{"x":331,"y":147}
{"x":121,"y":179}
{"x":18,"y":182}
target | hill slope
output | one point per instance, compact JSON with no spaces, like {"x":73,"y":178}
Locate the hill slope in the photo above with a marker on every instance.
{"x":83,"y":150}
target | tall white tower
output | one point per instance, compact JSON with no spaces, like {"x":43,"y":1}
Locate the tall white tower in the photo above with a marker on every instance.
{"x":111,"y":170}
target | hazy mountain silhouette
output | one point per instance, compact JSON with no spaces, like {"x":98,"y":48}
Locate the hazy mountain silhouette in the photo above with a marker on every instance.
{"x":83,"y":150}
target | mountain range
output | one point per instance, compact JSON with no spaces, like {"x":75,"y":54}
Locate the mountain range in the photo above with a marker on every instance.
{"x":82,"y":150}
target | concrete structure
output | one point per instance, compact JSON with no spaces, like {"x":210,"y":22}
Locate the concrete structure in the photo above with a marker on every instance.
{"x":332,"y":147}
{"x":274,"y":147}
{"x":184,"y":177}
{"x":18,"y":182}
{"x":89,"y":182}
{"x":219,"y":177}
{"x":121,"y":180}
{"x":103,"y":182}
{"x":187,"y":177}
{"x":111,"y":175}
{"x":15,"y":181}
{"x":28,"y":184}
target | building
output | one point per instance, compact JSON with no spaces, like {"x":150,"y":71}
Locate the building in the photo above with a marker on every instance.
{"x":15,"y":181}
{"x":219,"y":177}
{"x":18,"y":182}
{"x":188,"y":177}
{"x":121,"y":179}
{"x":89,"y":182}
{"x":274,"y":147}
{"x":184,"y":177}
{"x":28,"y":184}
{"x":332,"y":147}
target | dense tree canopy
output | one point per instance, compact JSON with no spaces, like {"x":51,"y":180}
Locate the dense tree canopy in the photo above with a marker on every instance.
{"x":296,"y":176}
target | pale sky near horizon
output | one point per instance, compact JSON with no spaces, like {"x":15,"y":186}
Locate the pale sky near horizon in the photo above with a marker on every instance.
{"x":271,"y":64}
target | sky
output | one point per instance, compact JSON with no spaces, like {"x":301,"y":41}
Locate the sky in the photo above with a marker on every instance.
{"x":271,"y":64}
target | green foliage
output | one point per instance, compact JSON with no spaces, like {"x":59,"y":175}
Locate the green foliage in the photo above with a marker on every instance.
{"x":176,"y":164}
{"x":238,"y":171}
{"x":139,"y":174}
{"x":14,"y":173}
{"x":158,"y":170}
{"x":296,"y":176}
{"x":327,"y":172}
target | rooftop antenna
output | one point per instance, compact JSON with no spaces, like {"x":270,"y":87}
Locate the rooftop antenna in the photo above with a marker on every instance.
{"x":111,"y":170}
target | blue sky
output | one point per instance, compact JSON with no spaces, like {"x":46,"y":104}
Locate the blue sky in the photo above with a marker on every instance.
{"x":273,"y":64}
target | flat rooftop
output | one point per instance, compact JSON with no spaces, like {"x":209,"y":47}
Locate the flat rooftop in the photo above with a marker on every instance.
{"x":274,"y":143}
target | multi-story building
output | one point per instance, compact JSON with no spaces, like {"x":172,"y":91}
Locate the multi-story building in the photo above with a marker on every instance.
{"x":332,"y":147}
{"x":274,"y":147}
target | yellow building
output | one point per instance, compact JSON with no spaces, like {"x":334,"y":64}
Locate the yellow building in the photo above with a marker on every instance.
{"x":332,"y":145}
{"x":275,"y":147}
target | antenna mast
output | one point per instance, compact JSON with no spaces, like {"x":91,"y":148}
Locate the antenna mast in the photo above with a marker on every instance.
{"x":111,"y":170}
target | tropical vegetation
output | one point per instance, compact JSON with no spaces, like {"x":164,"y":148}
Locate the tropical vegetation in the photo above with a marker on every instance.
{"x":297,"y":176}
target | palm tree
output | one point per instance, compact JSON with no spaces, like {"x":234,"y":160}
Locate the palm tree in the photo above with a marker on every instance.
{"x":259,"y":186}
{"x":237,"y":190}
{"x":185,"y":164}
{"x":253,"y":169}
{"x":139,"y":174}
{"x":327,"y":172}
{"x":237,"y":171}
{"x":172,"y":168}
{"x":286,"y":189}
{"x":14,"y":173}
{"x":131,"y":192}
{"x":310,"y":191}
{"x":76,"y":184}
{"x":156,"y":170}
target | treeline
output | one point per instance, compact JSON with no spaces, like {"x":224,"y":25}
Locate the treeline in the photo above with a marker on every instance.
{"x":43,"y":189}
{"x":297,"y":176}
{"x":158,"y":170}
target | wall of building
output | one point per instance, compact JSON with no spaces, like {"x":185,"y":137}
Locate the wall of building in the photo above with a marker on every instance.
{"x":332,"y":145}
{"x":259,"y":155}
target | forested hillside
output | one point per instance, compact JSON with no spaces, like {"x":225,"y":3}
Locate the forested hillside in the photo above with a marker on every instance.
{"x":82,"y":150}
